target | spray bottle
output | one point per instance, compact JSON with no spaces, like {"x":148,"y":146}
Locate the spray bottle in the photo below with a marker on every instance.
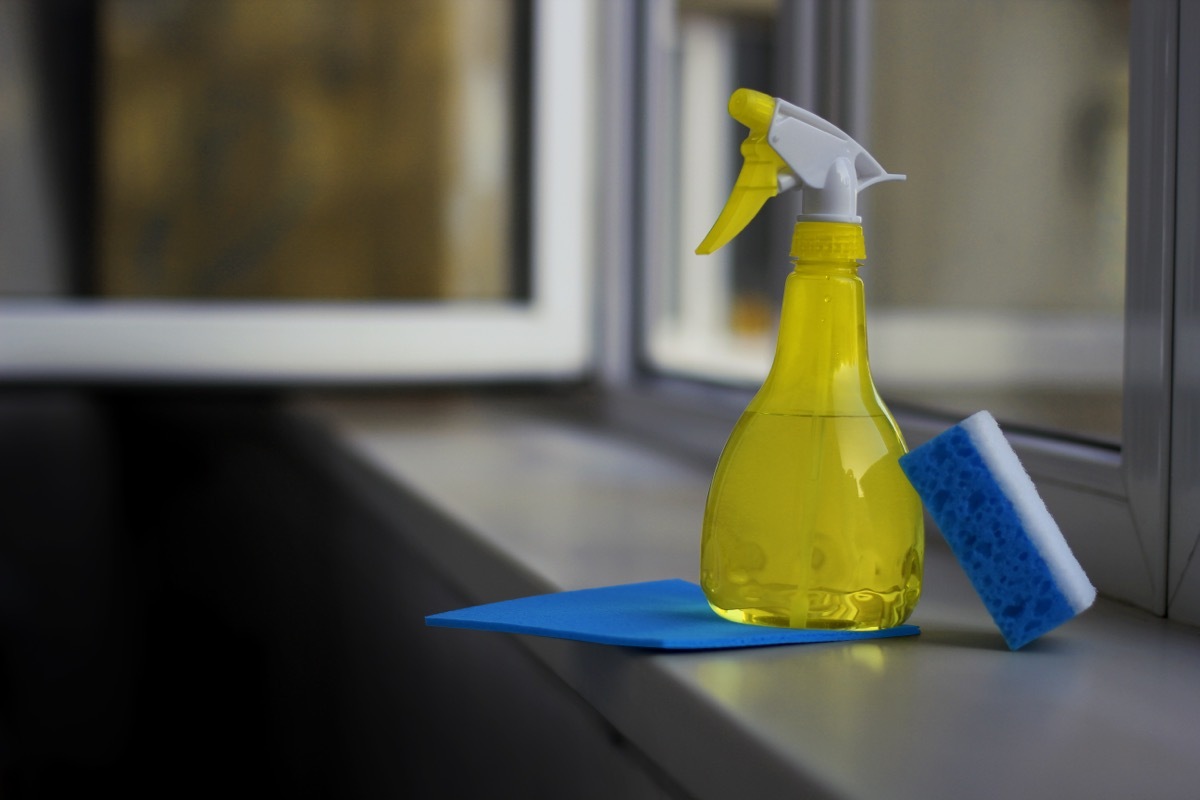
{"x":810,"y":522}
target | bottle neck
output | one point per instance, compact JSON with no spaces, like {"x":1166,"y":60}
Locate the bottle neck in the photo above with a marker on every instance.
{"x":821,"y":365}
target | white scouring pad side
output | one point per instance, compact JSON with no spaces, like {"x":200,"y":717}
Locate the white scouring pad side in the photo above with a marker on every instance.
{"x":1041,"y":528}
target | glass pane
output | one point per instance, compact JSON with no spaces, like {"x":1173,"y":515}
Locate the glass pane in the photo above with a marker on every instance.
{"x":999,"y":276}
{"x":329,"y":149}
{"x":995,"y":274}
{"x":513,"y":301}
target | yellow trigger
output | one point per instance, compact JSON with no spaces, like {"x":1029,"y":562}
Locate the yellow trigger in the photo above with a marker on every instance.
{"x":758,"y":180}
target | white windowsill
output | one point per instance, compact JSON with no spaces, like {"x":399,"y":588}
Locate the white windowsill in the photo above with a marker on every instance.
{"x":1106,"y":706}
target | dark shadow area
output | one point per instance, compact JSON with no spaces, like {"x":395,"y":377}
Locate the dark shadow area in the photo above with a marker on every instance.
{"x":167,"y":622}
{"x":195,"y":602}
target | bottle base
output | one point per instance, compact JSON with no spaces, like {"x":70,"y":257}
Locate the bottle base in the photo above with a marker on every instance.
{"x":858,"y":611}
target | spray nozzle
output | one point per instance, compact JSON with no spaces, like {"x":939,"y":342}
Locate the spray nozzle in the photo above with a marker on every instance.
{"x":789,"y":148}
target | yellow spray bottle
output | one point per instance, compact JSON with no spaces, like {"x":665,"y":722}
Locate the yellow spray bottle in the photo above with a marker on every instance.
{"x":810,"y":522}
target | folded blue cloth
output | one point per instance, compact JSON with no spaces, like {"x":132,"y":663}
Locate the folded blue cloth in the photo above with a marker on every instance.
{"x":667,"y":615}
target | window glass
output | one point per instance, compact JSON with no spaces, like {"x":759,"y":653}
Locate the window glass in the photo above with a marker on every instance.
{"x":711,"y":316}
{"x":328,"y":190}
{"x":324,"y":150}
{"x":999,"y":272}
{"x":995,"y":274}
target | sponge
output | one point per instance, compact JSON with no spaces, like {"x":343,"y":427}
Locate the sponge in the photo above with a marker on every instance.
{"x":991,"y":515}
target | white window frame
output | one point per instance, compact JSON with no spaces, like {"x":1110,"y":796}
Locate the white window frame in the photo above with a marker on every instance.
{"x":1131,"y":514}
{"x":548,"y":336}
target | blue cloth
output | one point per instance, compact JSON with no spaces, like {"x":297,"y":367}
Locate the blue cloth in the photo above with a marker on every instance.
{"x":667,"y":615}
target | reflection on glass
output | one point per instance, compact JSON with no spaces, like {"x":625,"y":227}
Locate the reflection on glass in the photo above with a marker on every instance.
{"x":998,"y":277}
{"x":712,"y":315}
{"x":333,"y":149}
{"x":995,"y":274}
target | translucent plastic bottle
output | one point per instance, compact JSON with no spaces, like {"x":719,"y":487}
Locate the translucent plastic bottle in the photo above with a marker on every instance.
{"x":810,"y":522}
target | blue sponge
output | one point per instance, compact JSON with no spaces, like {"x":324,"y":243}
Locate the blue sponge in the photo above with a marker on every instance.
{"x":999,"y":529}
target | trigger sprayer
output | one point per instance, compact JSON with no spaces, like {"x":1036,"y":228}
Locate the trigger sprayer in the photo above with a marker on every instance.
{"x":810,"y":522}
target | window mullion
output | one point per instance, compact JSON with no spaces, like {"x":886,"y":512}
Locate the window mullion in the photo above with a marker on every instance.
{"x":1149,"y":280}
{"x":1183,"y":555}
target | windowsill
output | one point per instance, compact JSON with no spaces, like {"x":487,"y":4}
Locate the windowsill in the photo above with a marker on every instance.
{"x":525,"y":501}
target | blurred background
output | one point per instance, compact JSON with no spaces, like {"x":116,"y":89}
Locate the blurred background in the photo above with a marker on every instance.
{"x":372,"y":151}
{"x":995,"y":273}
{"x":466,"y":182}
{"x":363,"y":150}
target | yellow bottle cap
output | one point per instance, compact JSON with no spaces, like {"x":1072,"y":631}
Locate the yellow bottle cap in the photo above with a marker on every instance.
{"x":828,"y":241}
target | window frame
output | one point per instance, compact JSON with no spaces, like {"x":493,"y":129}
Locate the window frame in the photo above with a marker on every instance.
{"x":1113,"y":504}
{"x":547,"y":337}
{"x":1150,"y":267}
{"x":1183,"y":556}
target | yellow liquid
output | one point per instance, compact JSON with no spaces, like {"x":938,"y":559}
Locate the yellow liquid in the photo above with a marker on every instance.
{"x":810,"y":523}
